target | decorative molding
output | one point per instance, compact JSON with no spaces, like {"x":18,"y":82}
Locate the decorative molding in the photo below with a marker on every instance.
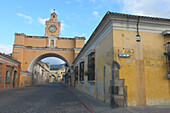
{"x":2,"y":62}
{"x":18,"y":46}
{"x":45,"y":48}
{"x":114,"y":21}
{"x":10,"y":61}
{"x":166,"y":32}
{"x":95,"y":42}
{"x":77,"y":49}
{"x":9,"y":65}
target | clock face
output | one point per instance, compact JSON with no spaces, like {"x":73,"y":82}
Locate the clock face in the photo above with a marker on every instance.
{"x":53,"y":28}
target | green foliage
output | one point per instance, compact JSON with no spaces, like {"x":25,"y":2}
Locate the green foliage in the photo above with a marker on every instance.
{"x":0,"y":78}
{"x":91,"y":65}
{"x":7,"y":80}
{"x":82,"y":71}
{"x":68,"y":70}
{"x":167,"y":53}
{"x":87,"y":73}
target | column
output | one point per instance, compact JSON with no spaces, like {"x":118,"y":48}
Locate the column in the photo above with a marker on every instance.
{"x":49,"y":42}
{"x":54,"y":42}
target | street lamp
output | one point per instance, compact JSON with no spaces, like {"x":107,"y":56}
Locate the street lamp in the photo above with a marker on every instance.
{"x":138,"y":36}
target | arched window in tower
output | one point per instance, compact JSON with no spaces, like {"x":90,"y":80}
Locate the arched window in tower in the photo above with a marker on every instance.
{"x":52,"y":43}
{"x":53,"y":16}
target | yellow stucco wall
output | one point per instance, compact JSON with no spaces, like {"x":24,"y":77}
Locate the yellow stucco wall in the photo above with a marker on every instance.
{"x":64,"y":43}
{"x":145,"y":71}
{"x":79,"y":43}
{"x":36,"y":42}
{"x":30,"y":55}
{"x":53,"y":21}
{"x":58,"y":73}
{"x":25,"y":81}
{"x":103,"y":58}
{"x":26,"y":56}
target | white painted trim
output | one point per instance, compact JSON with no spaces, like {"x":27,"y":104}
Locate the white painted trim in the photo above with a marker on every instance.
{"x":9,"y":65}
{"x":2,"y":62}
{"x":10,"y":61}
{"x":19,"y":46}
{"x":166,"y":32}
{"x":96,"y":42}
{"x":15,"y":69}
{"x":121,"y":23}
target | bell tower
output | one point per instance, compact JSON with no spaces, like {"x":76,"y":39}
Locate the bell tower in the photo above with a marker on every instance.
{"x":53,"y":26}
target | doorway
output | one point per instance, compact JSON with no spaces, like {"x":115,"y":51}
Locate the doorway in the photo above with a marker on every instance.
{"x":15,"y":79}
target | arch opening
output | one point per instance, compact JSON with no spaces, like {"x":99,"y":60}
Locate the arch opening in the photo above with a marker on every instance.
{"x":52,"y":43}
{"x":39,"y":58}
{"x":14,"y":78}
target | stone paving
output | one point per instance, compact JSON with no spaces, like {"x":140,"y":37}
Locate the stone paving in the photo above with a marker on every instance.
{"x":99,"y":107}
{"x":46,"y":98}
{"x":60,"y":98}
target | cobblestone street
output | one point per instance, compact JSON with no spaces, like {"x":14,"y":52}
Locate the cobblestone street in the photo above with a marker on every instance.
{"x":46,"y":98}
{"x":60,"y":98}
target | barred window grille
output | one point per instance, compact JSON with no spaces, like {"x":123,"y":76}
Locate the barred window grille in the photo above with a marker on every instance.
{"x":168,"y":46}
{"x":8,"y":77}
{"x":81,"y":78}
{"x":0,"y":78}
{"x":1,"y":65}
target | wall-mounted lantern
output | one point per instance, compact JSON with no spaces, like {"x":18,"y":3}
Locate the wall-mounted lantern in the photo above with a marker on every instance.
{"x":138,"y":36}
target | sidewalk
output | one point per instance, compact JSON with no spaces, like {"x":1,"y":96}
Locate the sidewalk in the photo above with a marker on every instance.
{"x":99,"y":107}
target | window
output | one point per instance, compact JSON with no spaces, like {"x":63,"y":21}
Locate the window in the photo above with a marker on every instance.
{"x":7,"y":77}
{"x":168,"y":49}
{"x":168,"y":46}
{"x":91,"y":66}
{"x":76,"y":73}
{"x":53,"y":16}
{"x":52,"y":43}
{"x":81,"y":78}
{"x":1,"y":72}
{"x":0,"y":78}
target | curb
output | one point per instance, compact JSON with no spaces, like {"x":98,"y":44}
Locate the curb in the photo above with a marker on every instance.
{"x":80,"y":100}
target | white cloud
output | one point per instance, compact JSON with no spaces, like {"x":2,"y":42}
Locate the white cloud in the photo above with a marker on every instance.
{"x":159,"y":8}
{"x":53,"y":60}
{"x":29,"y":18}
{"x":96,"y":14}
{"x":79,"y":34}
{"x":62,"y":26}
{"x":93,"y":1}
{"x":68,"y":2}
{"x":5,"y":48}
{"x":42,"y":21}
{"x":84,"y":34}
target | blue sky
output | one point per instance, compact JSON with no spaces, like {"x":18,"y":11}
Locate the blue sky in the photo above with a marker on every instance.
{"x":78,"y":17}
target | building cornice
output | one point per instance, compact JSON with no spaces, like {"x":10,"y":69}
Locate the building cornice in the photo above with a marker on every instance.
{"x":119,"y":21}
{"x":47,"y":48}
{"x":44,"y":37}
{"x":9,"y":60}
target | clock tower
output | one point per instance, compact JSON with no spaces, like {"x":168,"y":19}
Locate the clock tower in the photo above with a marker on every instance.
{"x":53,"y":26}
